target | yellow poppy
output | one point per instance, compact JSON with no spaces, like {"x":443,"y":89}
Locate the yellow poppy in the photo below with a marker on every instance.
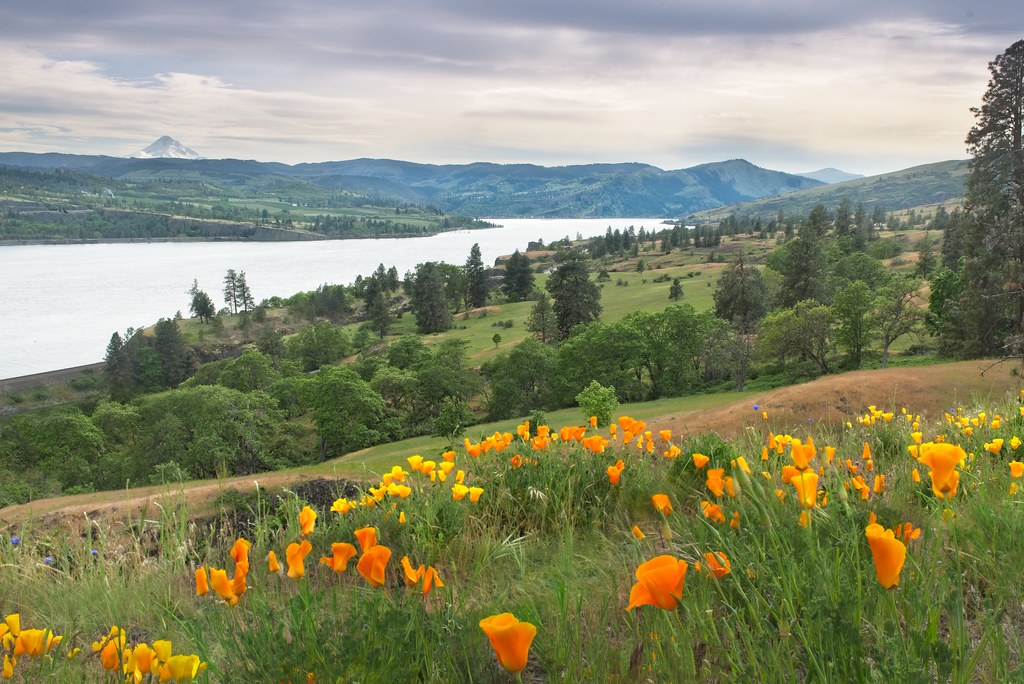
{"x":474,"y":494}
{"x":638,"y":533}
{"x":1016,"y":469}
{"x":412,"y":575}
{"x":943,"y":458}
{"x":459,"y":491}
{"x":715,"y":482}
{"x":700,"y":460}
{"x":272,"y":564}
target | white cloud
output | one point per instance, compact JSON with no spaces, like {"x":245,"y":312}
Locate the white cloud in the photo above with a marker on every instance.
{"x":868,"y":97}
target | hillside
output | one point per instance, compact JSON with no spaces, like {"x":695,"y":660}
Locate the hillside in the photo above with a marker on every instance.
{"x":827,"y":401}
{"x":479,"y":189}
{"x":928,"y":184}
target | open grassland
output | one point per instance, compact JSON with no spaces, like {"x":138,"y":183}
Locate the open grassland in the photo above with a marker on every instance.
{"x":636,"y":555}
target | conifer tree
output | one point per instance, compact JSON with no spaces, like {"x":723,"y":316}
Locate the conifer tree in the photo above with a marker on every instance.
{"x":476,"y":275}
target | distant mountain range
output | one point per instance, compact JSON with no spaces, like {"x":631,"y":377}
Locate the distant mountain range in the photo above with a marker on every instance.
{"x":481,"y":189}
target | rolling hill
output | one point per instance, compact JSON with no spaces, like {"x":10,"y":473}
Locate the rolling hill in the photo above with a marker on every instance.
{"x":511,"y":190}
{"x":914,"y":187}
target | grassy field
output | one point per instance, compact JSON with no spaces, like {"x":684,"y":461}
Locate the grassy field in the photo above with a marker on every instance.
{"x":776,"y":574}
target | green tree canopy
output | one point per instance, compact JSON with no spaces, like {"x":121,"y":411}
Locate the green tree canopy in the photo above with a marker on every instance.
{"x":577,"y":299}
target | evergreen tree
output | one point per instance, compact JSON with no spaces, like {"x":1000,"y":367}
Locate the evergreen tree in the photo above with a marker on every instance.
{"x":741,"y":297}
{"x":802,"y":268}
{"x":170,"y":349}
{"x":542,"y":320}
{"x":843,"y":220}
{"x":243,"y":295}
{"x":577,"y":300}
{"x":429,"y":302}
{"x":201,"y":306}
{"x":476,"y":275}
{"x":992,"y":240}
{"x":378,"y":309}
{"x":675,"y":290}
{"x":518,"y":280}
{"x":230,"y":293}
{"x":118,"y":369}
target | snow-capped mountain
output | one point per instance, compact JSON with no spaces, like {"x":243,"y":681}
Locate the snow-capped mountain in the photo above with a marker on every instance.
{"x":166,"y":147}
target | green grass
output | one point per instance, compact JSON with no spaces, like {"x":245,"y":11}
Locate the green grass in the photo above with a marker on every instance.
{"x":550,"y":542}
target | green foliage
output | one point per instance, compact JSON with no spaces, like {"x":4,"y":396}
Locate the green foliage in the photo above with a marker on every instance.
{"x":476,"y":277}
{"x":599,"y":401}
{"x":542,"y":321}
{"x":429,"y":300}
{"x":347,"y":412}
{"x":517,"y":282}
{"x":520,"y":380}
{"x":318,"y":345}
{"x":741,"y":296}
{"x":851,"y":309}
{"x":452,"y":419}
{"x":576,"y":300}
{"x":803,"y":332}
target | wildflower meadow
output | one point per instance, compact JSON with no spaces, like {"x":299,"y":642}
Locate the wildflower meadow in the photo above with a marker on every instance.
{"x":887,"y":547}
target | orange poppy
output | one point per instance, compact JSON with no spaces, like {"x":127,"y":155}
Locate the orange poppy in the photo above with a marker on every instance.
{"x":659,"y":583}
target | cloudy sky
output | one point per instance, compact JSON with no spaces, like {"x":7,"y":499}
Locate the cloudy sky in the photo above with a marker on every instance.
{"x":866,"y":86}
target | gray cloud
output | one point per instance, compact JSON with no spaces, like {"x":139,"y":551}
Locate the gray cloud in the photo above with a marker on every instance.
{"x":871,"y":84}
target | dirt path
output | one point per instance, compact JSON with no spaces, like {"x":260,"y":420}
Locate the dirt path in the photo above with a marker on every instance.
{"x":832,"y":400}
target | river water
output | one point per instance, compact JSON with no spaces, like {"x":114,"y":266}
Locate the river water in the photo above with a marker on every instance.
{"x":59,"y":304}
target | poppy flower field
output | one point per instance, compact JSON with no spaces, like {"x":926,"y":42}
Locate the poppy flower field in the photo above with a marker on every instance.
{"x":885,"y":548}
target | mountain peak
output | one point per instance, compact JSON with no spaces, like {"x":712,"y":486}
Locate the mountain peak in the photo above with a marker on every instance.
{"x":166,"y":147}
{"x":830,"y":175}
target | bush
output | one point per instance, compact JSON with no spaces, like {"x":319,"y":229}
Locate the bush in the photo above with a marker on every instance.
{"x":598,"y":400}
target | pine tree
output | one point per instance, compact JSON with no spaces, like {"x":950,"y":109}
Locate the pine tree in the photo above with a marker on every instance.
{"x":741,"y":296}
{"x":170,"y":349}
{"x":675,"y":291}
{"x":518,"y":281}
{"x":201,"y":306}
{"x":230,"y":291}
{"x":989,"y":314}
{"x":577,"y":300}
{"x":378,"y":309}
{"x":542,"y":320}
{"x":429,"y":302}
{"x":243,"y":294}
{"x":118,"y":369}
{"x":476,"y":275}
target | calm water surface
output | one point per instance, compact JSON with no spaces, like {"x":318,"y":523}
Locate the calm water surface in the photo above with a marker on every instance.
{"x":59,"y":304}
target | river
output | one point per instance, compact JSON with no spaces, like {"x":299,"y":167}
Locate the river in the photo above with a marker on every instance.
{"x":61,"y":303}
